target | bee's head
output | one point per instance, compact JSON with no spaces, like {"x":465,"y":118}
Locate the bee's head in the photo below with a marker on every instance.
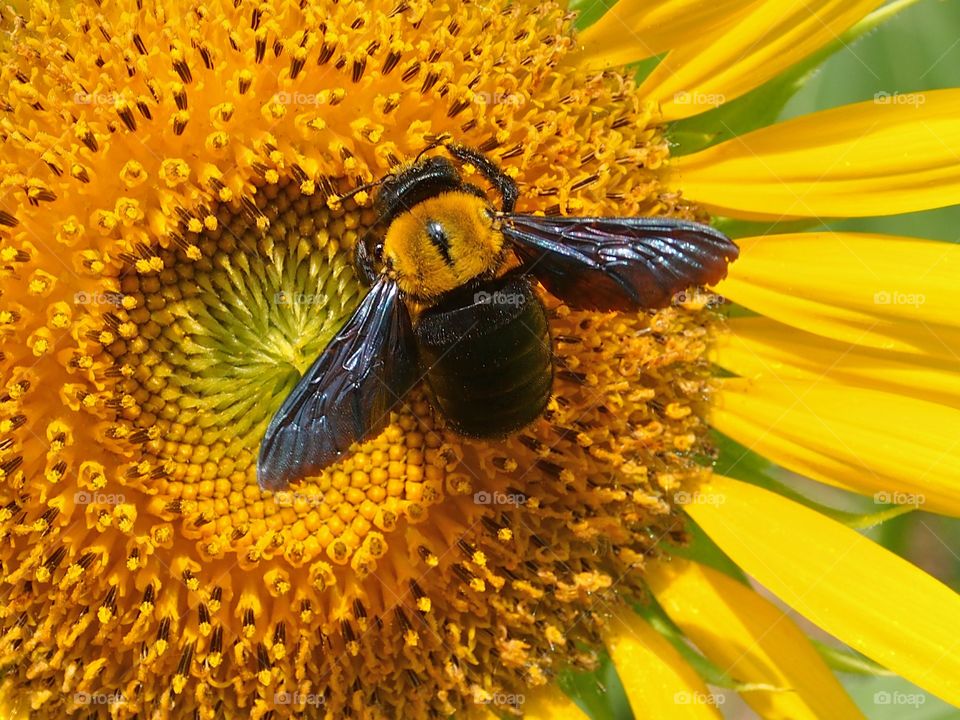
{"x":443,"y":242}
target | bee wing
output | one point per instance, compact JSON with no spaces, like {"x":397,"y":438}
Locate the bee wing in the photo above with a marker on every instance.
{"x":599,"y":263}
{"x":347,"y":394}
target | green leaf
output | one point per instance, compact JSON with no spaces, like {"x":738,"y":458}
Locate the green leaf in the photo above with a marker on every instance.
{"x":849,"y":661}
{"x":599,"y":693}
{"x":589,"y":11}
{"x":746,"y":228}
{"x":758,"y":108}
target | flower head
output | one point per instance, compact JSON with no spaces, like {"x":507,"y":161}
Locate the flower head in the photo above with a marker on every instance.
{"x":178,"y":209}
{"x":182,"y":254}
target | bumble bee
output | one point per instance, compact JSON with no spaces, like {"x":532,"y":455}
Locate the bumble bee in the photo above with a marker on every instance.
{"x":481,"y":339}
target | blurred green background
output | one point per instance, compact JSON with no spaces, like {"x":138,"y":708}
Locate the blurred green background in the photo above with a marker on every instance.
{"x":917,"y":50}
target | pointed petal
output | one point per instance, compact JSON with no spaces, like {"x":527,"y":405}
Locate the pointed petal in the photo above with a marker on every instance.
{"x":758,"y":347}
{"x":886,"y":292}
{"x":632,"y":30}
{"x":658,"y":682}
{"x":751,"y":639}
{"x":871,"y":599}
{"x":551,"y":704}
{"x":726,"y":62}
{"x":882,"y":157}
{"x":894,"y":447}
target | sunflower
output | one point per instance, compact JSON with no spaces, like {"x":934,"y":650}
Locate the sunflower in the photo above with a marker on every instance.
{"x":178,"y":208}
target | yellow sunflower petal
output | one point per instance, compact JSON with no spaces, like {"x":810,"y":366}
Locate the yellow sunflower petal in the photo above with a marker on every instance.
{"x":635,"y":29}
{"x":751,"y":639}
{"x":873,"y":600}
{"x":550,"y":704}
{"x":891,"y":293}
{"x":893,"y":154}
{"x":756,"y":347}
{"x":658,"y":682}
{"x":768,"y":38}
{"x":894,"y":447}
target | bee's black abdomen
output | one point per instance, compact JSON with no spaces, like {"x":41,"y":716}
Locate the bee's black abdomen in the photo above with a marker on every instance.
{"x":486,"y":353}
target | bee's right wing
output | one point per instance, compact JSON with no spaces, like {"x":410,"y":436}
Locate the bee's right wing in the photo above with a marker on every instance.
{"x":347,"y":394}
{"x":618,"y":263}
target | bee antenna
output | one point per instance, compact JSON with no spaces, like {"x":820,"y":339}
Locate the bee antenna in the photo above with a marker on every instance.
{"x":435,"y":143}
{"x":365,"y":186}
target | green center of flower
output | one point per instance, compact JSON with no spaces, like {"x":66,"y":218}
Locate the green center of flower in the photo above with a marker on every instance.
{"x":239,"y":310}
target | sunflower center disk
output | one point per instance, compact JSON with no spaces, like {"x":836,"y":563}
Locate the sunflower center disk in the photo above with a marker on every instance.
{"x":211,"y":334}
{"x":223,"y":338}
{"x":424,"y":574}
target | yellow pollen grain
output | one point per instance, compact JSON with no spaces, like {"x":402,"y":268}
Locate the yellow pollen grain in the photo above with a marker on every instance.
{"x":174,"y":172}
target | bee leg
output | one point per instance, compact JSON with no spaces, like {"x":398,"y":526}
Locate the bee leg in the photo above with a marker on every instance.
{"x":363,"y":262}
{"x":498,"y":178}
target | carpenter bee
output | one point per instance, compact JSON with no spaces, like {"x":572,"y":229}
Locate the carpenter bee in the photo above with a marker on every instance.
{"x":481,"y":339}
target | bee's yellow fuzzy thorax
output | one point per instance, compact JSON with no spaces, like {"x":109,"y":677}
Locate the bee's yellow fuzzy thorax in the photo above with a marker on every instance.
{"x":426,"y":268}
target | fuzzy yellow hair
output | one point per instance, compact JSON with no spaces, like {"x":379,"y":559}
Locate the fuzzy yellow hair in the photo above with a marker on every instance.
{"x":424,"y":270}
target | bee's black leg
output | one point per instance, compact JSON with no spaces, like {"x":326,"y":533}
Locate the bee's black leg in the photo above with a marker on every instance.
{"x":499,"y":179}
{"x":363,"y":261}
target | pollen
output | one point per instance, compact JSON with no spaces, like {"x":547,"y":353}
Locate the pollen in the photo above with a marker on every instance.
{"x":177,"y":226}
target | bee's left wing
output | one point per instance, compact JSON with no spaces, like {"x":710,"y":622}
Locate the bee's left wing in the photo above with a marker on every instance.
{"x":618,"y":263}
{"x":347,"y":394}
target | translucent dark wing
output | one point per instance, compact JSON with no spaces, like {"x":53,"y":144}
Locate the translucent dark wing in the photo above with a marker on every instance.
{"x":347,"y":394}
{"x":598,"y":263}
